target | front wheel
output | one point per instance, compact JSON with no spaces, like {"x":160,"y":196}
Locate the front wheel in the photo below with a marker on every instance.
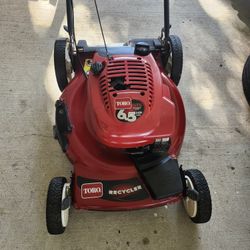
{"x":58,"y":203}
{"x":199,"y":210}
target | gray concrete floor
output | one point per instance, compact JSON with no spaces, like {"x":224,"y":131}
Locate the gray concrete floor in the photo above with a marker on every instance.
{"x":216,"y":40}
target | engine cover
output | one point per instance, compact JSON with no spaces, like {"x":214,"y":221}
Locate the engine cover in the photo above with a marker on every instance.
{"x":129,"y":103}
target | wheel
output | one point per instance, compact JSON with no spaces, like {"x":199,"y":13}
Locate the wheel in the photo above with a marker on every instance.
{"x":199,"y":211}
{"x":246,"y":80}
{"x":62,"y":62}
{"x":174,"y":63}
{"x":57,"y":215}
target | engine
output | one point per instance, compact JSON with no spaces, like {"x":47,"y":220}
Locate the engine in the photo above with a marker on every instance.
{"x":129,"y":103}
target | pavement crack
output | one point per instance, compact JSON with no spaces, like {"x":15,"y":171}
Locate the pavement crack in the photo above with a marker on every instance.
{"x":26,"y":135}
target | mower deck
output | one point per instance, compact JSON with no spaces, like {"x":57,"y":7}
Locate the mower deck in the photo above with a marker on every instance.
{"x":107,"y":170}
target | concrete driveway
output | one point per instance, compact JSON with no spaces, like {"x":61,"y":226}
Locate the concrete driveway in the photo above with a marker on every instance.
{"x":216,"y":41}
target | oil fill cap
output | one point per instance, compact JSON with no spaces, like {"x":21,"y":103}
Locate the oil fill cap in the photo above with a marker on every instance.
{"x":97,"y":68}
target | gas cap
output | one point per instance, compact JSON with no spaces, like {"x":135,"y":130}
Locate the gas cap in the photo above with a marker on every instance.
{"x":142,"y":49}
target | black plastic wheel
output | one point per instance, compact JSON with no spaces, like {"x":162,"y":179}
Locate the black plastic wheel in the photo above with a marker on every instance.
{"x":204,"y":203}
{"x":60,"y":62}
{"x":174,"y":63}
{"x":53,"y":208}
{"x":246,"y":80}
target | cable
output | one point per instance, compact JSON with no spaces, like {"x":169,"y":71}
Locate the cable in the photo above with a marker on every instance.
{"x":103,"y":37}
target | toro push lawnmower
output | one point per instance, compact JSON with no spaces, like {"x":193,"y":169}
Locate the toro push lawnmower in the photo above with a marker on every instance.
{"x":121,"y":122}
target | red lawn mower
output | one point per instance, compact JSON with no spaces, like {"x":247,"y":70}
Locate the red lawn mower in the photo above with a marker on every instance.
{"x":121,"y":122}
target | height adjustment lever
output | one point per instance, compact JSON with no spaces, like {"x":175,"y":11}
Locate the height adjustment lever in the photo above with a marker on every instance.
{"x":65,"y":27}
{"x":192,"y":194}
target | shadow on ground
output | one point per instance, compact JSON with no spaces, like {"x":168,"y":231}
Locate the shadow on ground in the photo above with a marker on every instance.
{"x":243,"y":7}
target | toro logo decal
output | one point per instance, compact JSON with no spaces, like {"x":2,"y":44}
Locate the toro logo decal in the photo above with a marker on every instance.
{"x":92,"y":190}
{"x":129,"y":111}
{"x":124,"y":190}
{"x":124,"y":103}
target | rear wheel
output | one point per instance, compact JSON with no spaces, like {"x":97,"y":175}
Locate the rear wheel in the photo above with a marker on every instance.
{"x":62,"y":62}
{"x":174,"y":61}
{"x":199,"y":211}
{"x":246,"y":80}
{"x":56,"y":212}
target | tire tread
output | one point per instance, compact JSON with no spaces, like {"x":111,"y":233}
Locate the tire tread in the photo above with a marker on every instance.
{"x":59,"y":62}
{"x":246,"y":80}
{"x":53,"y":208}
{"x":177,"y":57}
{"x":204,"y":206}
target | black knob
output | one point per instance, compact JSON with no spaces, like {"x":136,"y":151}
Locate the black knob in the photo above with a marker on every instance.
{"x":97,"y":68}
{"x":142,"y":49}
